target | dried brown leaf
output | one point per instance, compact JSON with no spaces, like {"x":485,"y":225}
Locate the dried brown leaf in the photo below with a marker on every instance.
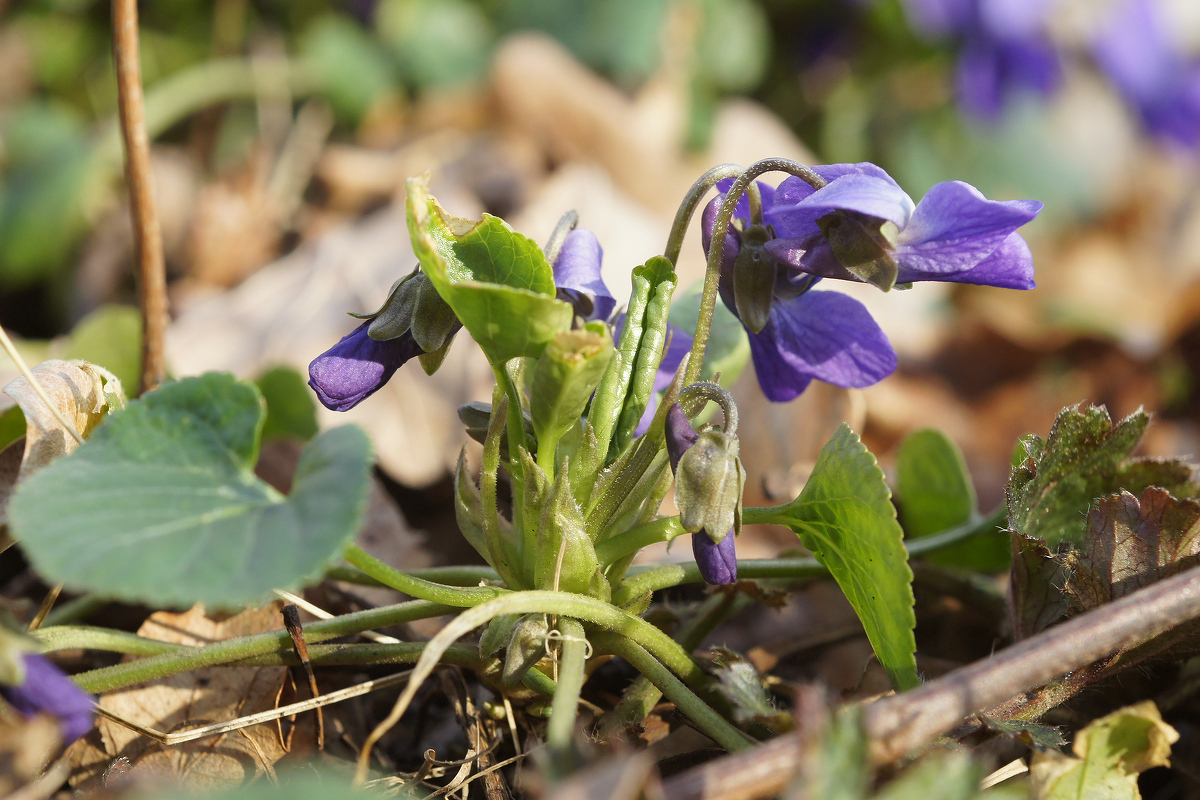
{"x":204,"y":696}
{"x":26,"y":747}
{"x":77,"y":389}
{"x":1132,"y":542}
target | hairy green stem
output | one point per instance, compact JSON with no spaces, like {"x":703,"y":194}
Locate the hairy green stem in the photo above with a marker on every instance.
{"x":466,"y":575}
{"x":560,"y":730}
{"x":698,"y":711}
{"x":170,"y":663}
{"x":634,"y":539}
{"x":642,"y":695}
{"x":691,"y":201}
{"x":716,"y":249}
{"x":462,"y":597}
{"x":488,"y":476}
{"x":653,"y":579}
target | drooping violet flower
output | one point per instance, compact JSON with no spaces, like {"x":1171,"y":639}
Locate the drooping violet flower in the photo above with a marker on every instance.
{"x":717,"y":560}
{"x":1148,"y":69}
{"x":48,"y":690}
{"x":807,"y":334}
{"x":1005,"y":47}
{"x":357,"y":367}
{"x":577,"y":276}
{"x":862,"y":226}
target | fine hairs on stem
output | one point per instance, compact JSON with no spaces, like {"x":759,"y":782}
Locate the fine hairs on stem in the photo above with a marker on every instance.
{"x":151,"y":272}
{"x":716,"y":250}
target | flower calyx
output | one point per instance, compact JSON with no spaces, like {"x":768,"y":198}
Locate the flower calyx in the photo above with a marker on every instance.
{"x":709,"y":476}
{"x":754,"y":276}
{"x":414,"y":307}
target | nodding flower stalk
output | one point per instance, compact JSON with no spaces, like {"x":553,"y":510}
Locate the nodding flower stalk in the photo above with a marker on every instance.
{"x":708,"y":482}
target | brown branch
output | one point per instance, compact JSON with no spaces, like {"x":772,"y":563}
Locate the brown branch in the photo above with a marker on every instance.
{"x":151,"y":275}
{"x":902,"y":723}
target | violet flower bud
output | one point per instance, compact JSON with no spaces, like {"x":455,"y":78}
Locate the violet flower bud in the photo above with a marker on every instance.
{"x":578,"y":278}
{"x":717,"y":560}
{"x":48,"y":690}
{"x":357,"y":367}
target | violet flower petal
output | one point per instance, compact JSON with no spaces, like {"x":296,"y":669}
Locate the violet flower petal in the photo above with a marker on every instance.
{"x":49,"y":690}
{"x":357,"y":367}
{"x":823,"y":335}
{"x":1010,"y":266}
{"x":578,"y":278}
{"x":954,"y":228}
{"x":865,"y":194}
{"x":717,"y":560}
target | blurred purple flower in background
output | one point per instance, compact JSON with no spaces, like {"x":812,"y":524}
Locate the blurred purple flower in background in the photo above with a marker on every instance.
{"x":1149,"y":70}
{"x":48,"y":690}
{"x":1005,"y":47}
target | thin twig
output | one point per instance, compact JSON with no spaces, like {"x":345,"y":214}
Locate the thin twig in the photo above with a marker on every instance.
{"x":902,"y":723}
{"x":152,"y":279}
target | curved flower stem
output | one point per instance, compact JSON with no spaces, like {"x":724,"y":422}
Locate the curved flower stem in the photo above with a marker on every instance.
{"x":641,"y":697}
{"x":560,"y":729}
{"x":564,"y":605}
{"x":566,"y":223}
{"x":711,"y":391}
{"x":668,"y":575}
{"x":465,"y":575}
{"x":716,"y":249}
{"x":88,"y":637}
{"x":461,"y":597}
{"x":698,"y":711}
{"x":691,"y":201}
{"x":118,"y":676}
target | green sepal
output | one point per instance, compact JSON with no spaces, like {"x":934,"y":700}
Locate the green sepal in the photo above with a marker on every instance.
{"x":754,"y":279}
{"x":526,"y":647}
{"x":560,"y":528}
{"x":565,"y":377}
{"x":579,"y":448}
{"x":863,"y":245}
{"x":497,"y":635}
{"x":433,"y":322}
{"x":468,"y":511}
{"x":497,"y":281}
{"x":394,"y":317}
{"x":432,"y":362}
{"x":708,"y":485}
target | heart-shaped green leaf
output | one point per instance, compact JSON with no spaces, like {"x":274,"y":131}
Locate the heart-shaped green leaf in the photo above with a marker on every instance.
{"x":845,"y":517}
{"x":162,"y":506}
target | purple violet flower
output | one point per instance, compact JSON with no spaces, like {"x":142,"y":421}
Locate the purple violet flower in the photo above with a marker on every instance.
{"x":954,"y":234}
{"x":577,"y":276}
{"x":48,"y":690}
{"x":823,"y":335}
{"x":717,"y":560}
{"x":1005,"y":47}
{"x":357,"y":367}
{"x":1149,"y":70}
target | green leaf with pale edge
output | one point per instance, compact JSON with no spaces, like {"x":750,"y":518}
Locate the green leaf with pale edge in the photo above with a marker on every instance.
{"x":161,"y":504}
{"x":846,"y":518}
{"x":1085,"y":456}
{"x":934,"y":492}
{"x":497,"y":281}
{"x":1110,"y":753}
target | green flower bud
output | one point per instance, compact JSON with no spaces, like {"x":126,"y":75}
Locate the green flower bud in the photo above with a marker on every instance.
{"x":567,"y":373}
{"x":708,"y":485}
{"x":863,"y":244}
